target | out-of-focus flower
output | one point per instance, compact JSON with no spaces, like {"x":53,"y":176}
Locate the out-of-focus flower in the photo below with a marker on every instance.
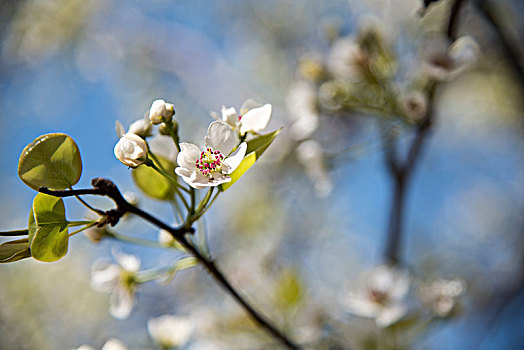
{"x":212,"y":166}
{"x":415,"y":104}
{"x":131,"y":198}
{"x":95,"y":234}
{"x":333,"y":93}
{"x":114,"y":344}
{"x":311,"y":155}
{"x":84,"y":347}
{"x":346,"y":59}
{"x":464,"y":50}
{"x":443,"y":61}
{"x":119,"y":280}
{"x":170,"y":331}
{"x":160,"y":111}
{"x":381,"y":297}
{"x":310,"y":67}
{"x":442,"y":295}
{"x":301,"y":105}
{"x":131,"y":150}
{"x":253,"y":117}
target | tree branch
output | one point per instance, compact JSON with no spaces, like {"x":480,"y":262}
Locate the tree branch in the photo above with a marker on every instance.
{"x":105,"y":187}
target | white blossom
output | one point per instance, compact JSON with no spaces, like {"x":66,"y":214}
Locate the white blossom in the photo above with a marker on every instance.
{"x":310,"y":154}
{"x":170,"y":331}
{"x":119,"y":280}
{"x":253,"y":117}
{"x":442,"y":295}
{"x":160,"y":111}
{"x":213,"y":165}
{"x":301,"y":105}
{"x":141,"y":127}
{"x":346,"y":58}
{"x":381,"y":298}
{"x":131,"y":150}
{"x":114,"y":344}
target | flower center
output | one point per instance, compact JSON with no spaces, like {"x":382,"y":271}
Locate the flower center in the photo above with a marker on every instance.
{"x":378,"y":297}
{"x":209,"y":162}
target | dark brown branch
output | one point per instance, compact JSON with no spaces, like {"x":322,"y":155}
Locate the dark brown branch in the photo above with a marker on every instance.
{"x":104,"y":187}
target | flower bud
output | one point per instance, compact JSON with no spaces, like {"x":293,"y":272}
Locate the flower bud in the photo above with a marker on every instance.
{"x":141,"y":127}
{"x":164,"y":128}
{"x":131,"y":150}
{"x":160,"y":111}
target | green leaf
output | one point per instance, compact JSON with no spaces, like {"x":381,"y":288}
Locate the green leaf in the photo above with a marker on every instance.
{"x":51,"y":160}
{"x":14,"y":250}
{"x":255,"y":148}
{"x":49,"y":241}
{"x":152,"y":183}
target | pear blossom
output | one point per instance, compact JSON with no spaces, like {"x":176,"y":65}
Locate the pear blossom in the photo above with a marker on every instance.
{"x":119,"y":280}
{"x":114,"y":344}
{"x":213,"y":165}
{"x":170,"y":331}
{"x":346,"y":59}
{"x":131,"y":150}
{"x":381,"y":297}
{"x":253,"y":117}
{"x":302,"y":110}
{"x":160,"y":111}
{"x":141,"y":127}
{"x":311,"y":155}
{"x":442,"y":295}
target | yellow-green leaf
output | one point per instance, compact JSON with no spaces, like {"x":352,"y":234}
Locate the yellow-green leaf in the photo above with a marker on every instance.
{"x":51,"y":160}
{"x":152,"y":183}
{"x":14,"y":250}
{"x":49,"y":242}
{"x":255,"y":148}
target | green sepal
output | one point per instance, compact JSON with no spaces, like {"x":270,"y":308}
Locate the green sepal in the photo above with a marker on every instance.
{"x":255,"y":148}
{"x":51,"y":160}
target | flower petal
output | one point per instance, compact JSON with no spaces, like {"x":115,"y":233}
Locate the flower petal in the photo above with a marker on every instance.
{"x":390,"y":315}
{"x":187,"y":156}
{"x":230,"y":116}
{"x":220,"y":137}
{"x":127,"y":262}
{"x":104,"y":277}
{"x":121,"y":303}
{"x":233,"y":161}
{"x":255,"y":119}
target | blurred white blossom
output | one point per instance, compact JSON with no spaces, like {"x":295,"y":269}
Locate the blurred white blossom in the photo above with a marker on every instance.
{"x":114,"y":344}
{"x":212,"y":166}
{"x":346,"y":58}
{"x":170,"y":331}
{"x":442,"y":295}
{"x":302,"y":110}
{"x":382,"y":296}
{"x":131,"y":150}
{"x":311,"y":155}
{"x":119,"y":280}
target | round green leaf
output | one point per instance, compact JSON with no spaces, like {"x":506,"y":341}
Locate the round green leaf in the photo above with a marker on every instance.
{"x":14,"y":250}
{"x":152,"y":183}
{"x":50,"y":240}
{"x":51,"y":160}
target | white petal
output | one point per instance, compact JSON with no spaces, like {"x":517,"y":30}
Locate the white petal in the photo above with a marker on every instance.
{"x":104,"y":277}
{"x":120,"y":303}
{"x":359,"y":305}
{"x":170,"y":331}
{"x":114,"y":344}
{"x":119,"y":128}
{"x":248,"y":105}
{"x":390,"y":315}
{"x":188,"y":155}
{"x":233,"y":161}
{"x":127,"y":262}
{"x":256,"y":119}
{"x":220,"y":137}
{"x":230,"y":116}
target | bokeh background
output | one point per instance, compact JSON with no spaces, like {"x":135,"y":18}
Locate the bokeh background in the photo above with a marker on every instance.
{"x":76,"y":66}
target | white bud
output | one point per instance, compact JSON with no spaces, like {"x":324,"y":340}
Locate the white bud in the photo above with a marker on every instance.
{"x":464,"y":50}
{"x":141,"y":127}
{"x":131,"y":150}
{"x":114,"y":344}
{"x":165,"y":238}
{"x":160,"y":111}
